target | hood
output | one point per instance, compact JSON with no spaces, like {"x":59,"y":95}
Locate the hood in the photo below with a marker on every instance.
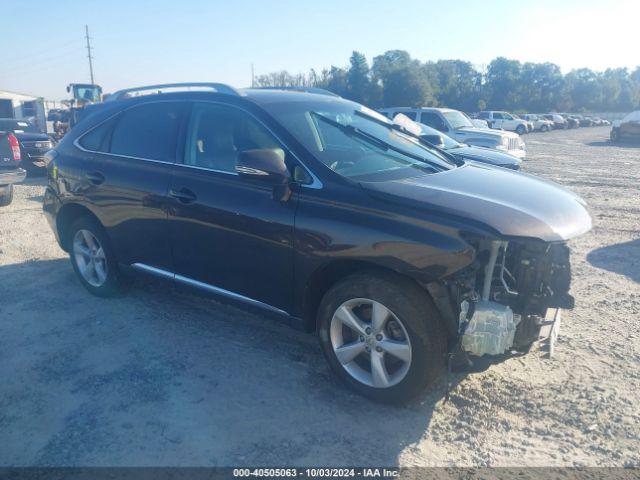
{"x":488,"y":132}
{"x":32,"y":137}
{"x":486,"y":155}
{"x":514,"y":204}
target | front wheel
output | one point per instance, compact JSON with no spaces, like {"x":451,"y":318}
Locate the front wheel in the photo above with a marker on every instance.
{"x":615,"y":135}
{"x":521,"y":129}
{"x":93,"y":258}
{"x":382,"y":336}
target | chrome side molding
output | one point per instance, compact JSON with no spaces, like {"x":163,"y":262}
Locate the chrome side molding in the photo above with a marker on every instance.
{"x":207,"y":287}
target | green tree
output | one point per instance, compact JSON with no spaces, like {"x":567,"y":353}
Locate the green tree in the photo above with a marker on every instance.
{"x":358,"y":81}
{"x":503,"y":84}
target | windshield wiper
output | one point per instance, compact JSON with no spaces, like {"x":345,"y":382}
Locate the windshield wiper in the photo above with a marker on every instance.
{"x":352,"y":131}
{"x":398,"y":128}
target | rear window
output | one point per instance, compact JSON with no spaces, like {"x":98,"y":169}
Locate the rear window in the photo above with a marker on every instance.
{"x":96,"y":139}
{"x":148,"y":131}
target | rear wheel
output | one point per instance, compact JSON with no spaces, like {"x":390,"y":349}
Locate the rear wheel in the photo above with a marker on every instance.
{"x":7,"y":197}
{"x":382,"y":336}
{"x":93,"y":259}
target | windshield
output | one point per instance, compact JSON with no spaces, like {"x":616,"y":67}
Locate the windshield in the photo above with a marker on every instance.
{"x":17,"y":126}
{"x":355,"y":141}
{"x":86,"y":93}
{"x":457,"y":119}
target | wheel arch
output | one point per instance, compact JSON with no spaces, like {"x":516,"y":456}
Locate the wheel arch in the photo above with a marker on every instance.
{"x":68,"y":214}
{"x":323,"y":278}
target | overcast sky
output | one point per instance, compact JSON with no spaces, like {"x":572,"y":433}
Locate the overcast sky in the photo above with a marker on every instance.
{"x":145,"y":42}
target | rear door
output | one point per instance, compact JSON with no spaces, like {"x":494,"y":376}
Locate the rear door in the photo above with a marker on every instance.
{"x":498,"y":120}
{"x":132,"y":174}
{"x":227,"y":231}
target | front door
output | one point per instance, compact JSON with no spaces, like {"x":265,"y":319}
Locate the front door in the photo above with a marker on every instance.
{"x":226,"y":230}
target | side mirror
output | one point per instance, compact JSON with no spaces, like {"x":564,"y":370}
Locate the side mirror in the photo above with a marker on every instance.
{"x":267,"y":164}
{"x":435,"y":140}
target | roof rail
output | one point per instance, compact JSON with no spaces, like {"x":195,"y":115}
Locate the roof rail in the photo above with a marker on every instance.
{"x":319,"y":91}
{"x":218,"y":87}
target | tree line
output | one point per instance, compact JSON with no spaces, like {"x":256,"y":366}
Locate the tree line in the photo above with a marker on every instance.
{"x":396,"y":79}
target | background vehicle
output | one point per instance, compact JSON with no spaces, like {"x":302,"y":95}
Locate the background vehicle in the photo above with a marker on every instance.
{"x":540,"y":124}
{"x":504,"y":121}
{"x":457,"y":149}
{"x":572,"y":120}
{"x":10,"y":173}
{"x":345,"y":225}
{"x":530,"y":126}
{"x":558,"y":120}
{"x":627,"y":129}
{"x":459,"y":127}
{"x":83,"y":95}
{"x":33,"y":144}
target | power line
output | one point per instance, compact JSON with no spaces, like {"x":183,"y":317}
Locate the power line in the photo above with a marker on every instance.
{"x":86,"y":29}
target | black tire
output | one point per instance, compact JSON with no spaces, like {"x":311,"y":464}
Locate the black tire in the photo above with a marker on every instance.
{"x":7,"y":197}
{"x":416,"y":313}
{"x":615,"y":135}
{"x":114,"y":283}
{"x":521,"y":129}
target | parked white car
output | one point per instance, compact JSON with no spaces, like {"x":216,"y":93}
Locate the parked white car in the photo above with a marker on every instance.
{"x":504,"y":121}
{"x":539,"y":124}
{"x":460,"y":127}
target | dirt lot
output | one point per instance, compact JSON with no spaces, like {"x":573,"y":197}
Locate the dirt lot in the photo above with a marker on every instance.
{"x":162,"y":377}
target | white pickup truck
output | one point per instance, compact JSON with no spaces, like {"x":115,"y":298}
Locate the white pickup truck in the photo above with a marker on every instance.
{"x":459,"y":126}
{"x":504,"y":121}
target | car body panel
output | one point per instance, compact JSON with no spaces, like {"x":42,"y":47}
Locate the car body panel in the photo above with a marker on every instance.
{"x":514,"y":204}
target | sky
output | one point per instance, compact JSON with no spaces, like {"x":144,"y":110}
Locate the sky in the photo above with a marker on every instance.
{"x":135,"y":43}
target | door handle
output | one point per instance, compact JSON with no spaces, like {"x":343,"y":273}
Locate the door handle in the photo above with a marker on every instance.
{"x":184,"y":195}
{"x":95,"y":177}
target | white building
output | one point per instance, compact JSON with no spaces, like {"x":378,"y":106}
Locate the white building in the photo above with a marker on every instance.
{"x":18,"y":105}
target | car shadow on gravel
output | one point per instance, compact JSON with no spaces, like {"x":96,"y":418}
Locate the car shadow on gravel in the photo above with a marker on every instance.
{"x":621,"y":258}
{"x":161,"y":377}
{"x":607,"y":143}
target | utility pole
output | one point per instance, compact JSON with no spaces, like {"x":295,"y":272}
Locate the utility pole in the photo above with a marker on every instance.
{"x":86,"y":29}
{"x":252,"y":77}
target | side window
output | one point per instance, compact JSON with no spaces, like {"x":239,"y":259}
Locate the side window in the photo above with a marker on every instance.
{"x":483,"y":115}
{"x":433,"y":120}
{"x":96,"y":140}
{"x":497,"y":116}
{"x":218,"y":134}
{"x":148,"y":131}
{"x":411,"y":115}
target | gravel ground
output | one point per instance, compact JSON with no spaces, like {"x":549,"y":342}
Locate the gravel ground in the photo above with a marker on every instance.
{"x":163,"y":377}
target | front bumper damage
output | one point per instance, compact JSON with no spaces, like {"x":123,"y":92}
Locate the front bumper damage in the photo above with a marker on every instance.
{"x":510,"y":298}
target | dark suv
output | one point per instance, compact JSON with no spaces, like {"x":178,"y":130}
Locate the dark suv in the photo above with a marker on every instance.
{"x":322,"y":212}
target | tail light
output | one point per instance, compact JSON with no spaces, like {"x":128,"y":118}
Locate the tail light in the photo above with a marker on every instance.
{"x":15,"y":146}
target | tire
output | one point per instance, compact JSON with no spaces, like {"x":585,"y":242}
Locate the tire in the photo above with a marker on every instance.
{"x":544,"y":128}
{"x":107,"y":280}
{"x":411,"y":319}
{"x":7,"y":197}
{"x":615,"y":135}
{"x":521,"y":129}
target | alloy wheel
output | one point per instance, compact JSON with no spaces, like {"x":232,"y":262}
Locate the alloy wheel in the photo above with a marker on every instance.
{"x":90,"y":258}
{"x":370,"y":342}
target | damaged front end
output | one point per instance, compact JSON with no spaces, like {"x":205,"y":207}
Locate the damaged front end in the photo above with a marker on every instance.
{"x":500,"y":303}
